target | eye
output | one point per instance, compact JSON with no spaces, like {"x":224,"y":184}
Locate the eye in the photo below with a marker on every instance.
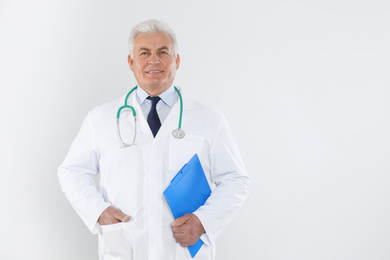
{"x":164,"y":52}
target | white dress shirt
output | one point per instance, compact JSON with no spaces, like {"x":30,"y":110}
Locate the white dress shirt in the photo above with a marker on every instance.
{"x":168,"y":99}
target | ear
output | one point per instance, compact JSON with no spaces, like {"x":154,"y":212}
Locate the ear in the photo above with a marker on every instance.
{"x":130,"y":61}
{"x":177,"y":61}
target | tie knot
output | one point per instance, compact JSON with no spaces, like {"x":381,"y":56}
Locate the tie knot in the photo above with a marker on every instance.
{"x":154,"y":100}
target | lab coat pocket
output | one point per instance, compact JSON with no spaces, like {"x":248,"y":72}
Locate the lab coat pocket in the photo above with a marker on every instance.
{"x":117,"y":244}
{"x":182,"y":150}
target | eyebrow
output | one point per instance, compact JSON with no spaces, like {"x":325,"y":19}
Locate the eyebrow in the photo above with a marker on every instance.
{"x":163,"y":48}
{"x":143,"y":49}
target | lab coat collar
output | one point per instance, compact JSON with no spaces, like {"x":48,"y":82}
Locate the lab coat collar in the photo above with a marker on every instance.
{"x":188,"y":102}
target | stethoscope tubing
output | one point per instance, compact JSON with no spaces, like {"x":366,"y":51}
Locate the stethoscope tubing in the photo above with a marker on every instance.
{"x":177,"y":133}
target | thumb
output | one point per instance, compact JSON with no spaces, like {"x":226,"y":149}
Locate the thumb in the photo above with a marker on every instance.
{"x":180,"y":221}
{"x":121,"y":216}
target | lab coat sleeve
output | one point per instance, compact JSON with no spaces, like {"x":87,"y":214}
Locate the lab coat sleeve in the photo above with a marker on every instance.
{"x":75,"y":176}
{"x":231,"y":181}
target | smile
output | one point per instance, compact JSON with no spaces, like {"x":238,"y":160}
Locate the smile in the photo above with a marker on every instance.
{"x":154,"y":71}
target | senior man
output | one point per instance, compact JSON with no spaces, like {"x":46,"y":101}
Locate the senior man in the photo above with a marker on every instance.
{"x":128,"y":209}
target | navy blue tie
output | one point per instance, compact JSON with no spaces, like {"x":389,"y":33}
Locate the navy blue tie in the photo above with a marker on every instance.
{"x":153,"y":119}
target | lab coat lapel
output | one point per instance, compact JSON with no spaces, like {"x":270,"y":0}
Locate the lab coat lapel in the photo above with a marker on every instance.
{"x":142,"y":124}
{"x":172,"y":121}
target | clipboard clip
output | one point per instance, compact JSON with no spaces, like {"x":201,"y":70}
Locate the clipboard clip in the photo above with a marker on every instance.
{"x":180,"y":174}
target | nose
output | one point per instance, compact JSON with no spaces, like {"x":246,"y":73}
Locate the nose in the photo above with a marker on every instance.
{"x":153,"y":59}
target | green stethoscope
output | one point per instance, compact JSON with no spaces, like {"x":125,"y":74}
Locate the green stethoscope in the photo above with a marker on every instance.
{"x":177,"y":133}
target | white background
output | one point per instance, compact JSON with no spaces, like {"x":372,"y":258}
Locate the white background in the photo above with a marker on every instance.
{"x":304,"y":85}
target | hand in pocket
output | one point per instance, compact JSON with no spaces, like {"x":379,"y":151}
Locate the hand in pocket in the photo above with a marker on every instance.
{"x":112,"y":215}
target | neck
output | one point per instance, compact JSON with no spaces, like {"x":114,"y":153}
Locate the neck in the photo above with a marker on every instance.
{"x":154,"y":91}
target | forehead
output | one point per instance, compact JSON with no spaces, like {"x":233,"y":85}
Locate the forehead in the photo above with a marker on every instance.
{"x":152,"y":41}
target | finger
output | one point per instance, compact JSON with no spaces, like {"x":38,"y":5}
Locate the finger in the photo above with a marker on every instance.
{"x":113,"y":221}
{"x":179,"y":229}
{"x":180,"y":221}
{"x":181,"y":240}
{"x":178,"y":235}
{"x":122,"y":217}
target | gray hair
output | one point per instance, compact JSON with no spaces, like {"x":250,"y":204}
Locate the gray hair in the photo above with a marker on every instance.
{"x":152,"y":26}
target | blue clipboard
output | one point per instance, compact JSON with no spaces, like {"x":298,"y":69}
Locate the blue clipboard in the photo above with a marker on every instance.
{"x":188,"y":191}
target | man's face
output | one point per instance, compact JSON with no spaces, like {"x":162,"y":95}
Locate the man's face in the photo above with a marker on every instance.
{"x":154,"y":63}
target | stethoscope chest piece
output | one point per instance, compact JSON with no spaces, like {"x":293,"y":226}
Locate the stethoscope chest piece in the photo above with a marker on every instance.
{"x":178,"y":133}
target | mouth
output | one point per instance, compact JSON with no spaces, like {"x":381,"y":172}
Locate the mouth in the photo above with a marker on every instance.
{"x":154,"y":71}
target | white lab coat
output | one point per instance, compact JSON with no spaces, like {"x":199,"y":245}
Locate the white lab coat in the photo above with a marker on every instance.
{"x":133,"y":179}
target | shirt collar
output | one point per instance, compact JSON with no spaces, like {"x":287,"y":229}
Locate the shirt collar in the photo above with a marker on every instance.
{"x":168,"y":96}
